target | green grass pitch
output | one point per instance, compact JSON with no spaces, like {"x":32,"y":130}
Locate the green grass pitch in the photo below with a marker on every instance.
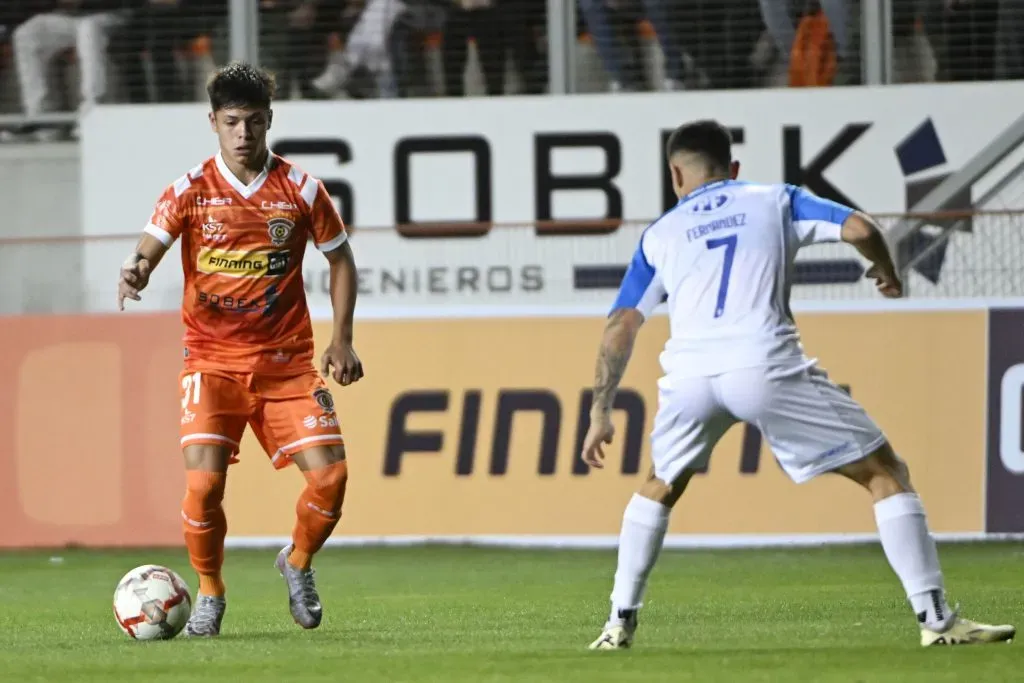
{"x":473,"y":615}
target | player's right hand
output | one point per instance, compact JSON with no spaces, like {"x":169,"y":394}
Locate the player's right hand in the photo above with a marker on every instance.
{"x":887,"y":281}
{"x":600,"y":432}
{"x":134,"y":278}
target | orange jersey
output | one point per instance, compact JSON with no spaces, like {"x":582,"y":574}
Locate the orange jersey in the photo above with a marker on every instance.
{"x":242,"y":246}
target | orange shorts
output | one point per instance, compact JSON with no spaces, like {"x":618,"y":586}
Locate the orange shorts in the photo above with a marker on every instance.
{"x":287,"y":414}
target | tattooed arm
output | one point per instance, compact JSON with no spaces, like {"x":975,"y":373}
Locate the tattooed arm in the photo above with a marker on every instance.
{"x":616,"y":348}
{"x":612,"y":358}
{"x":640,"y":292}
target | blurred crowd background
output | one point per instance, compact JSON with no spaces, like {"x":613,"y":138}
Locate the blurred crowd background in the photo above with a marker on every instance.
{"x":60,"y":55}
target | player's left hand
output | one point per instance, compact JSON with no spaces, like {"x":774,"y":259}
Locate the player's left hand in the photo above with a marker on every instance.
{"x":601,"y":432}
{"x":134,"y":278}
{"x":887,"y":281}
{"x":341,"y":362}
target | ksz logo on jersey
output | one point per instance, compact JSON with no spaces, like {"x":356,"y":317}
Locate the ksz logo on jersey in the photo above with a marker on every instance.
{"x":213,"y":230}
{"x":324,"y":399}
{"x":280,"y":230}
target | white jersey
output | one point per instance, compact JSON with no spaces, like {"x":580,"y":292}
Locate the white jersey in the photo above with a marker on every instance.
{"x":723,"y":258}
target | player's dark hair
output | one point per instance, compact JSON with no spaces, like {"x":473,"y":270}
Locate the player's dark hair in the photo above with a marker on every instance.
{"x":708,"y":139}
{"x":241,"y":85}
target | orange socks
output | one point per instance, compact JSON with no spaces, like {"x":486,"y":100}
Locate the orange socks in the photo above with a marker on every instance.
{"x":205,"y":527}
{"x":204,"y":524}
{"x":300,"y":559}
{"x":318,"y":511}
{"x":211,"y":584}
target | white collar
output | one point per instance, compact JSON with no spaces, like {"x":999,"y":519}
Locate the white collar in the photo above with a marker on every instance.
{"x":252,"y":188}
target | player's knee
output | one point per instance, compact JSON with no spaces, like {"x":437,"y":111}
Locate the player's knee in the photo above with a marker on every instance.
{"x":204,"y":488}
{"x":882,"y":473}
{"x":660,"y":492}
{"x":328,"y":485}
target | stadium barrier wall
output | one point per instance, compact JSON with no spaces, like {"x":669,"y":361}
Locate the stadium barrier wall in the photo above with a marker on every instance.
{"x":580,"y":175}
{"x":467,"y":429}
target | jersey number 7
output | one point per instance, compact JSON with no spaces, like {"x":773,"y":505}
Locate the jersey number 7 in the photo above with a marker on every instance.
{"x":730,"y":251}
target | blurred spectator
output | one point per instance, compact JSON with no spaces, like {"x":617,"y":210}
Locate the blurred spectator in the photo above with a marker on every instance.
{"x":163,"y":29}
{"x":294,"y":34}
{"x":16,"y":12}
{"x":599,"y":16}
{"x":480,"y":20}
{"x":963,"y":36}
{"x":368,"y":52}
{"x":500,"y":29}
{"x":383,"y":53}
{"x":781,"y":24}
{"x":80,"y":24}
{"x":407,"y":45}
{"x":1009,"y":44}
{"x":723,"y":35}
{"x":525,"y":23}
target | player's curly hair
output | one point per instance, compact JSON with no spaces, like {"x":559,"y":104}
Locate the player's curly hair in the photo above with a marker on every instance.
{"x":241,"y":85}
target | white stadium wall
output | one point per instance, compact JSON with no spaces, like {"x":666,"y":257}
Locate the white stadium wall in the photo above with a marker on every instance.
{"x":845,"y":143}
{"x":506,"y":160}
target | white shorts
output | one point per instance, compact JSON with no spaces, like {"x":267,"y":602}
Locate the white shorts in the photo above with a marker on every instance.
{"x":811,"y":425}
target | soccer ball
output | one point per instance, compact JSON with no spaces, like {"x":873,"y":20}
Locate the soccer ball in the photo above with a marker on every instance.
{"x":152,"y":603}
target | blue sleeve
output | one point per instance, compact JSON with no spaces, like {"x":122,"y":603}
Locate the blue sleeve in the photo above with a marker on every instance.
{"x":814,"y":218}
{"x":641,"y":288}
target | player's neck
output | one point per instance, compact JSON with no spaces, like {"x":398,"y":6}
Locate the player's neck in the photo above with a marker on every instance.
{"x":246,"y":171}
{"x":690,"y":188}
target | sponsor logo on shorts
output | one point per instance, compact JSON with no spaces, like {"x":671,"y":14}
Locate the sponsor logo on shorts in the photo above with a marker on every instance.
{"x":312,"y":422}
{"x":247,"y":264}
{"x":836,"y":450}
{"x":280,"y":230}
{"x":324,"y":399}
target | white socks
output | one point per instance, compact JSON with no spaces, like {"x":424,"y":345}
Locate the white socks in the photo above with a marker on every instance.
{"x":902,"y":526}
{"x":911,"y":552}
{"x":644,"y":524}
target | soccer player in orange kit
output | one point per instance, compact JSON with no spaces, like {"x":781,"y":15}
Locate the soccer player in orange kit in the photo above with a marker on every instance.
{"x":244,"y":217}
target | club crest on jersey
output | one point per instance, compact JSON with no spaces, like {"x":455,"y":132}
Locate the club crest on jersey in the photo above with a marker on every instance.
{"x":324,"y":399}
{"x":280,"y":230}
{"x":710,"y":203}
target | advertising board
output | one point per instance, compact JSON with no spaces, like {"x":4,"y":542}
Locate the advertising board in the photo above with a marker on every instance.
{"x":468,"y":429}
{"x":549,"y":168}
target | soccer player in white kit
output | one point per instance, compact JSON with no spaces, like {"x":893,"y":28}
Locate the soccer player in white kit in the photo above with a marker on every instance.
{"x":723,"y":259}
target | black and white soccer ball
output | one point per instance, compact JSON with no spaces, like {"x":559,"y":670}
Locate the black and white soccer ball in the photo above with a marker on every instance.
{"x":152,"y":603}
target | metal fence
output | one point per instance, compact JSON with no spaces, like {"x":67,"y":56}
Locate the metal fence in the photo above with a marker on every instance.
{"x":53,"y":63}
{"x":962,"y":255}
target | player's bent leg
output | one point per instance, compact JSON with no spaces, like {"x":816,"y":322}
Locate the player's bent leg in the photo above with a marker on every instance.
{"x":317,"y":513}
{"x":644,"y":525}
{"x":205,"y":526}
{"x":910,"y":549}
{"x":687,"y":426}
